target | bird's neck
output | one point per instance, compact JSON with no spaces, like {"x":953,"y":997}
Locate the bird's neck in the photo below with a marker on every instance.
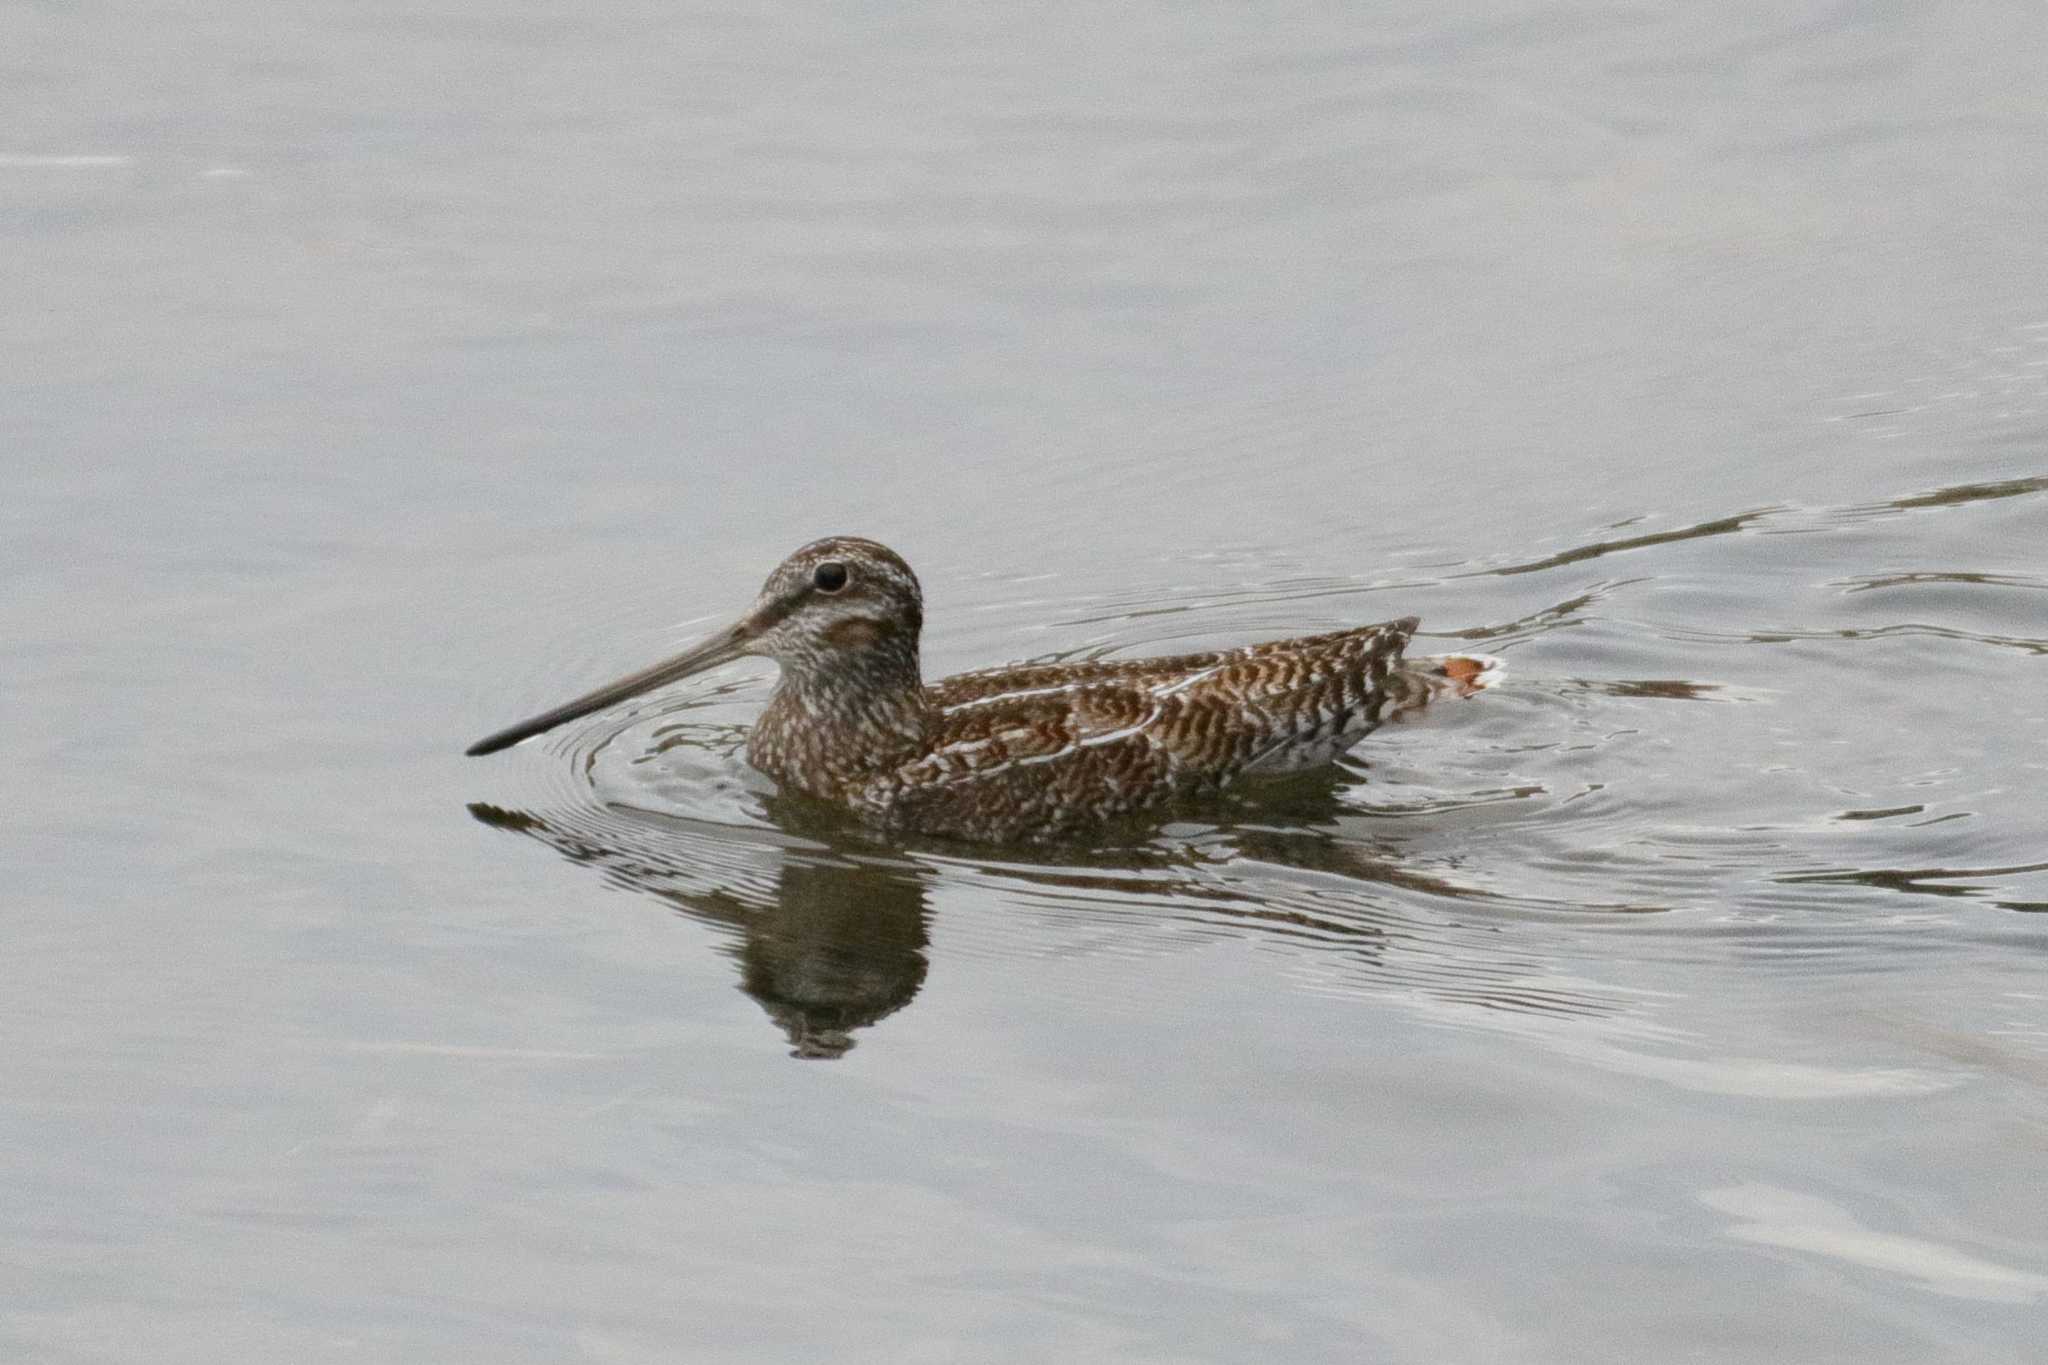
{"x":833,"y":723}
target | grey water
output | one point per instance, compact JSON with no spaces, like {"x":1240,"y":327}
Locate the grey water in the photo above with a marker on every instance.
{"x":373,"y":376}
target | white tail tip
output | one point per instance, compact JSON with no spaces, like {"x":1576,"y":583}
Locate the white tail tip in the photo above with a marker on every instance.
{"x":1459,"y":675}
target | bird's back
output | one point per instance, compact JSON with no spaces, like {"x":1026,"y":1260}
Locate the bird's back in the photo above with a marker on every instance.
{"x":1053,"y":750}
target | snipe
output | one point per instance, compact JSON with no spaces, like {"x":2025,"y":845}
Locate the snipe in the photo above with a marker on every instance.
{"x":1030,"y":751}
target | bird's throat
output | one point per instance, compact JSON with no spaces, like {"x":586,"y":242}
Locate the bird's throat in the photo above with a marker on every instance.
{"x":830,"y":728}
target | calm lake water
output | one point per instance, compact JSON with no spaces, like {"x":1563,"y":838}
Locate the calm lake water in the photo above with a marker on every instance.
{"x":378,"y":374}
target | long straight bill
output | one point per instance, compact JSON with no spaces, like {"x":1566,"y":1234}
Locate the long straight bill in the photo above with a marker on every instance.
{"x":728,"y":644}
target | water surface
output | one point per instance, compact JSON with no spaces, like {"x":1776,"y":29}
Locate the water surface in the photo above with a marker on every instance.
{"x":377,"y":376}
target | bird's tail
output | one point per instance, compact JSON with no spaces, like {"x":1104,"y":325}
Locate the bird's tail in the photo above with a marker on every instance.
{"x":1443,"y":676}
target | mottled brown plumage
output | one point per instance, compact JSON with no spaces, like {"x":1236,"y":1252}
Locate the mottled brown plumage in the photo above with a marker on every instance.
{"x":1027,"y":752}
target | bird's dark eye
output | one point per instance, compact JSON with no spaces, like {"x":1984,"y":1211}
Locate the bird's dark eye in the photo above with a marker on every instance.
{"x":829,"y":576}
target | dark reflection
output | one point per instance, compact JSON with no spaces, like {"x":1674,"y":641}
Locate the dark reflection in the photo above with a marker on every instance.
{"x":1763,"y":517}
{"x":1662,"y":689}
{"x":1909,"y":580}
{"x":1920,"y":881}
{"x":1553,"y":617}
{"x":1720,"y":526}
{"x":1881,"y":813}
{"x":1287,"y":860}
{"x":830,"y":940}
{"x":836,"y":952}
{"x":830,"y":923}
{"x":1960,"y":493}
{"x":2025,"y":644}
{"x":1283,"y":823}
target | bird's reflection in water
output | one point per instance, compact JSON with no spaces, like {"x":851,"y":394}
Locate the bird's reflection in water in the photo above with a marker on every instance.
{"x":831,"y":939}
{"x":832,"y":922}
{"x":839,"y":950}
